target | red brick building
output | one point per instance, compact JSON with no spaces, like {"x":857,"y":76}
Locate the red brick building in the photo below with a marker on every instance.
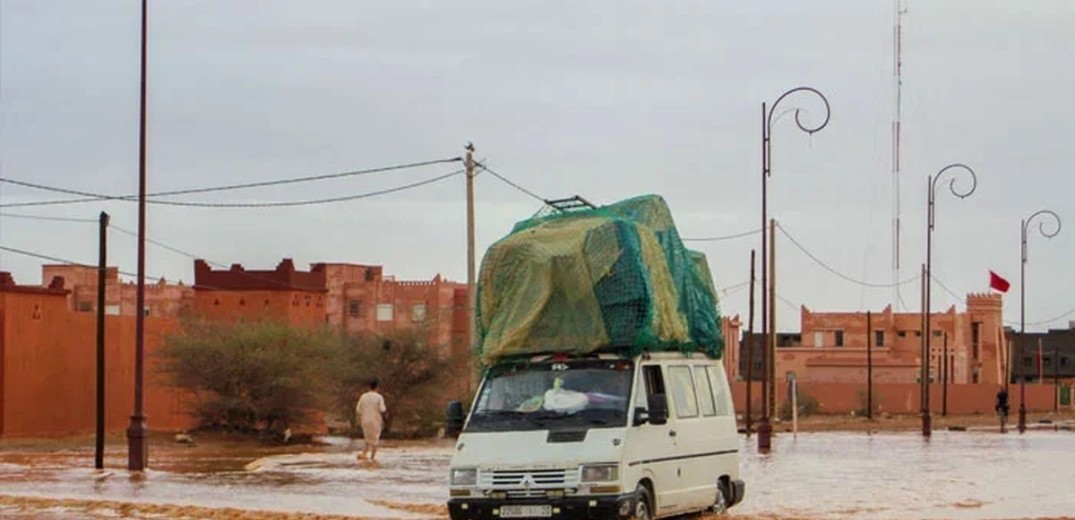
{"x":831,"y":347}
{"x":163,"y":299}
{"x":356,"y":298}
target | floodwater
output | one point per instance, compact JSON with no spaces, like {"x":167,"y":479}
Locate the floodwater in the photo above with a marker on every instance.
{"x":957,"y":475}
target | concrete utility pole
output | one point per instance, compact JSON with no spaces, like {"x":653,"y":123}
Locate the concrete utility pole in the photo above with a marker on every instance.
{"x":869,"y":365}
{"x":137,"y":432}
{"x":750,"y":348}
{"x":472,"y":293}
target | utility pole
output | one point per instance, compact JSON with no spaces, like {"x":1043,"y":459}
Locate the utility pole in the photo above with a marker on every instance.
{"x":750,"y":348}
{"x":944,"y":375}
{"x":923,"y":384}
{"x":472,"y":292}
{"x":869,"y":365}
{"x":102,"y":265}
{"x":771,"y":347}
{"x":137,"y":433}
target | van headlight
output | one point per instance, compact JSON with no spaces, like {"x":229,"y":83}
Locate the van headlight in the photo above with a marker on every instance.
{"x":464,"y":476}
{"x":600,"y":472}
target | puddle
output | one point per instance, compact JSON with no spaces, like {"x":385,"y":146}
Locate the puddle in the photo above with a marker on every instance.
{"x":823,"y":476}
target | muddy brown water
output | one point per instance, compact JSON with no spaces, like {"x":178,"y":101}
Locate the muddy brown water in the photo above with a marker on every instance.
{"x":832,"y":475}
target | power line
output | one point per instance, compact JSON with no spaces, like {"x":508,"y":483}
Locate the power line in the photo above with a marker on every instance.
{"x":838,"y":273}
{"x":723,"y":237}
{"x":47,"y":218}
{"x":54,"y":259}
{"x":89,"y":197}
{"x":244,"y":204}
{"x":543,"y":200}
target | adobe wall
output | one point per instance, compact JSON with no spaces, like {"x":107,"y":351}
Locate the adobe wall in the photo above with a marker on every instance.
{"x":48,"y":370}
{"x":901,"y":398}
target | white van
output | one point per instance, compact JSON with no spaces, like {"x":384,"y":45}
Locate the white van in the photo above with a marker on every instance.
{"x":599,"y":436}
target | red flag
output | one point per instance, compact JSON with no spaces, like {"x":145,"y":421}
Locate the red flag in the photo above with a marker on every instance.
{"x":998,"y":283}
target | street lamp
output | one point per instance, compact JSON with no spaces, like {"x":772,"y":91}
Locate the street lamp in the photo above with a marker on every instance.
{"x":137,"y":432}
{"x":765,"y":429}
{"x":927,"y":427}
{"x":1045,"y":214}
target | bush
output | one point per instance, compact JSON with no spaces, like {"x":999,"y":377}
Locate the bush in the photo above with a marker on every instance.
{"x":808,"y":405}
{"x":258,"y":376}
{"x":415,"y":379}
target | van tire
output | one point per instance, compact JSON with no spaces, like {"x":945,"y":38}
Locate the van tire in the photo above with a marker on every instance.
{"x":720,"y":502}
{"x":643,"y":504}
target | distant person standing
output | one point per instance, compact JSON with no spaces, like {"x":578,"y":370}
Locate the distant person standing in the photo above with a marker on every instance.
{"x":1002,"y":406}
{"x":370,"y":410}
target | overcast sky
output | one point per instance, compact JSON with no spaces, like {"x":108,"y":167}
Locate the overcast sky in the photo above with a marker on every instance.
{"x":604,"y":99}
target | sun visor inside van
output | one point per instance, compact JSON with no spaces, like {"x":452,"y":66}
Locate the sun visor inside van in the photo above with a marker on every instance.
{"x":614,"y":278}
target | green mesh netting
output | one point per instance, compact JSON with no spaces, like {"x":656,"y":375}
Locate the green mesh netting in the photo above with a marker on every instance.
{"x":613,"y":278}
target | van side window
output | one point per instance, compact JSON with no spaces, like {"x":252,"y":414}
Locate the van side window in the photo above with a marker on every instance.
{"x":683,"y":392}
{"x":705,"y":394}
{"x":651,"y":377}
{"x":720,"y":389}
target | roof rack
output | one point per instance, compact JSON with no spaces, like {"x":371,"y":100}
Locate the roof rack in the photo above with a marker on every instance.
{"x":570,"y":204}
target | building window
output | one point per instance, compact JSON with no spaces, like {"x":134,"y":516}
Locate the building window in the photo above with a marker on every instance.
{"x":976,"y":338}
{"x":879,"y":338}
{"x":819,"y":339}
{"x":354,"y":307}
{"x":418,"y":312}
{"x":112,"y":310}
{"x":85,"y":306}
{"x":145,"y":311}
{"x":384,"y":312}
{"x":937,"y":333}
{"x":1064,"y":361}
{"x":918,"y":334}
{"x":839,"y":338}
{"x":902,"y":333}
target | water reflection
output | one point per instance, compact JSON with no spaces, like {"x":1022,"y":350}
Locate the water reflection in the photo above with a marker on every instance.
{"x":957,"y":475}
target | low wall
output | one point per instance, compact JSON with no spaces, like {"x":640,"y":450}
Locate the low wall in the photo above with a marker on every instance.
{"x":901,"y":398}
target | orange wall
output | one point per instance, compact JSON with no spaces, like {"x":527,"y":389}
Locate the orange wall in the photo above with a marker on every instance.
{"x":297,"y":308}
{"x":901,"y":398}
{"x":48,"y":370}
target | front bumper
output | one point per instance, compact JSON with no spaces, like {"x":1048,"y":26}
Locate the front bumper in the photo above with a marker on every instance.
{"x":581,"y":507}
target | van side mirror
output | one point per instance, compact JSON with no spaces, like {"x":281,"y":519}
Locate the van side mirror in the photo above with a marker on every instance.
{"x":658,"y":409}
{"x":456,"y":418}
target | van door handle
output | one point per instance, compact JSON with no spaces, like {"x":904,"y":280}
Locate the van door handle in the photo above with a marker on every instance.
{"x":671,"y":433}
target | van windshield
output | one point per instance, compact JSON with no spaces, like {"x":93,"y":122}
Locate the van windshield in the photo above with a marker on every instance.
{"x":554,"y":395}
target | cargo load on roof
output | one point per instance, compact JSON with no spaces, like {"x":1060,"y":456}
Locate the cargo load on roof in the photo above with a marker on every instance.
{"x":615,"y":278}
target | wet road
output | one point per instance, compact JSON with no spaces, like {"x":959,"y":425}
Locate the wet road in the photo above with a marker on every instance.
{"x":958,"y":475}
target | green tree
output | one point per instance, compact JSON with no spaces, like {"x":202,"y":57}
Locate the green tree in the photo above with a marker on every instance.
{"x":259,"y":376}
{"x":417,"y":379}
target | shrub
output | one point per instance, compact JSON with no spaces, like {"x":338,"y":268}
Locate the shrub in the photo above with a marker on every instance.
{"x":260,"y":376}
{"x":415,"y":378}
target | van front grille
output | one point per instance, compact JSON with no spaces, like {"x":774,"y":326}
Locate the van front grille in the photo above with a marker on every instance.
{"x":529,"y":479}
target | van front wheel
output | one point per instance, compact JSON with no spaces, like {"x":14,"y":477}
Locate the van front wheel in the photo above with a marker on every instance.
{"x":642,"y":503}
{"x":720,"y":502}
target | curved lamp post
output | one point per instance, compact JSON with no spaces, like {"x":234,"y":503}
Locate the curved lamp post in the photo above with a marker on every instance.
{"x":1047,"y":215}
{"x":764,"y":427}
{"x":927,"y":427}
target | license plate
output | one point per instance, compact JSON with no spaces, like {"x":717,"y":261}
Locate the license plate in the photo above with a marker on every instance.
{"x":526,"y":511}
